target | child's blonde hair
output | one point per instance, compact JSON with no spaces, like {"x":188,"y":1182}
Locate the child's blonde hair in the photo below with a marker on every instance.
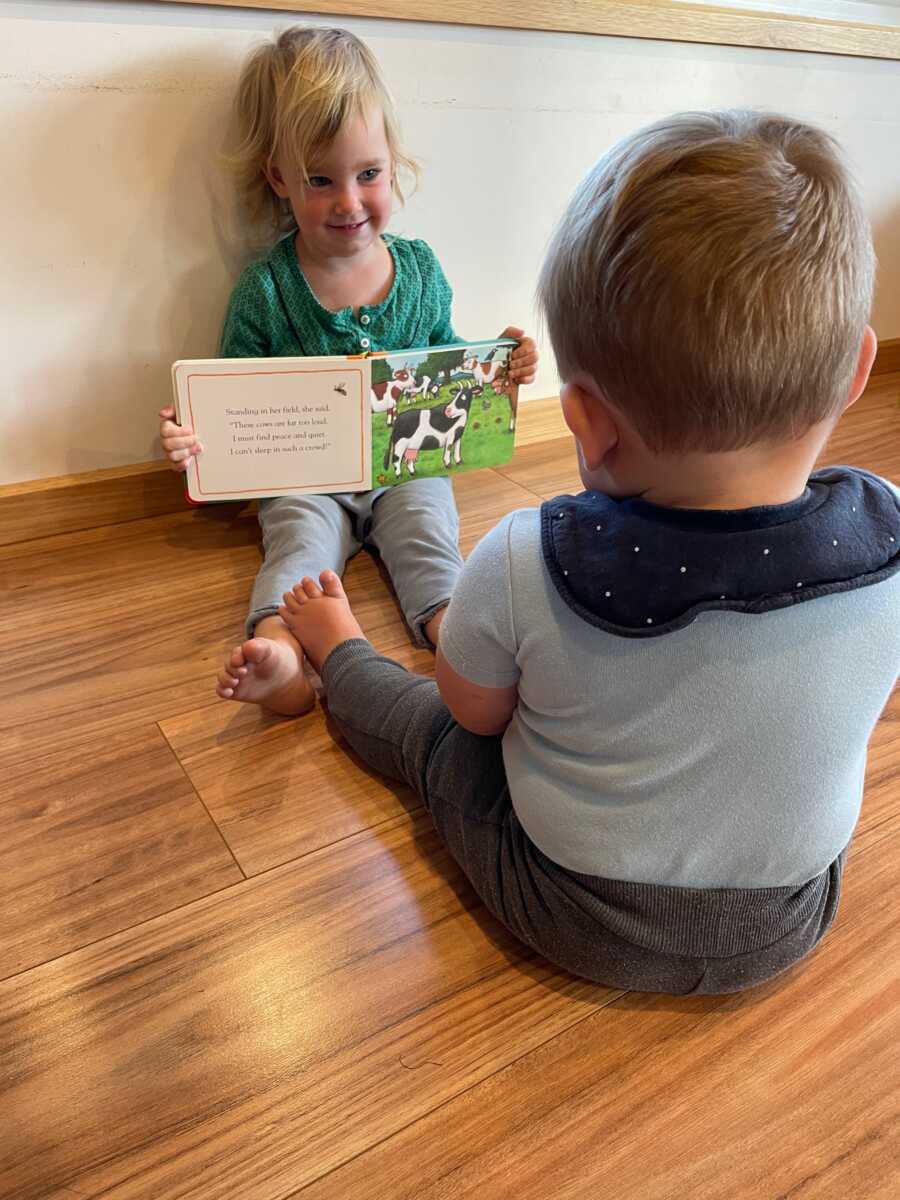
{"x":293,"y":97}
{"x":713,"y":274}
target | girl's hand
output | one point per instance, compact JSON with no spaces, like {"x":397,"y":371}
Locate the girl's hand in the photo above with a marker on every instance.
{"x":524,"y":359}
{"x":179,"y":441}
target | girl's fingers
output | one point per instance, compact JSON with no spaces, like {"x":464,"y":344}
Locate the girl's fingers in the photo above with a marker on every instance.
{"x":523,"y":361}
{"x":168,"y":429}
{"x":174,"y":445}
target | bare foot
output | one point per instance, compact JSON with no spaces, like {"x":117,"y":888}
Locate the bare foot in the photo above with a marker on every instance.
{"x":269,"y":672}
{"x":319,"y":617}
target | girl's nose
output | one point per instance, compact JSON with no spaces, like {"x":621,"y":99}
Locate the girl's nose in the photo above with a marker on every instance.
{"x":347,"y":200}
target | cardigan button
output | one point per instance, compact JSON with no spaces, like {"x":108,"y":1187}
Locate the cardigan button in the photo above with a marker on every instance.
{"x":365,"y":343}
{"x":365,"y":318}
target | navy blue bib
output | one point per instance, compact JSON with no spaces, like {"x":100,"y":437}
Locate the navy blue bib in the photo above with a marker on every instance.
{"x":640,"y":570}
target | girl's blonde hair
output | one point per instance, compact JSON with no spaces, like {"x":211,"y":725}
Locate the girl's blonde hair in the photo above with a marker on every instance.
{"x":713,"y":274}
{"x":293,"y":97}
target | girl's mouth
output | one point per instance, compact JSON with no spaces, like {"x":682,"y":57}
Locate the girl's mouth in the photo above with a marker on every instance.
{"x":349,"y":230}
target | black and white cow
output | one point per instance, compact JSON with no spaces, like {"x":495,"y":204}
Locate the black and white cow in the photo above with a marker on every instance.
{"x":440,"y":427}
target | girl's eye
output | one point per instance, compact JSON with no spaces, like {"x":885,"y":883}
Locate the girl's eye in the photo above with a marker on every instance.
{"x":319,"y":181}
{"x":370,"y":174}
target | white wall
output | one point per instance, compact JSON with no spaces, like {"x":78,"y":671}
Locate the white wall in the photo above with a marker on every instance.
{"x":119,"y":248}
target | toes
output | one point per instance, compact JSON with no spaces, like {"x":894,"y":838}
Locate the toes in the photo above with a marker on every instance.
{"x":255,"y":651}
{"x":293,"y":602}
{"x":235,"y":659}
{"x":289,"y":614}
{"x":226,"y":685}
{"x":310,"y":586}
{"x":332,"y":586}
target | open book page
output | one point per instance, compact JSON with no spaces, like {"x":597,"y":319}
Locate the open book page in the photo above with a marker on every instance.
{"x":440,"y":410}
{"x":278,"y":426}
{"x":289,"y":426}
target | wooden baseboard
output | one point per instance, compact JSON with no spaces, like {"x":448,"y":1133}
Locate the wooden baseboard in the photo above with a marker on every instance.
{"x":68,"y":503}
{"x":888,"y":357}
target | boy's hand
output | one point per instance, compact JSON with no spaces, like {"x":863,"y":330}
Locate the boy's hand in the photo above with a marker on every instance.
{"x":179,"y":441}
{"x":524,"y":359}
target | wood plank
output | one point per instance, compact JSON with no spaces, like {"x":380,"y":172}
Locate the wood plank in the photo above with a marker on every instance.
{"x":665,"y":19}
{"x":882,"y":789}
{"x":547,"y":469}
{"x":97,"y":839}
{"x":254,"y":1040}
{"x":540,"y":421}
{"x":127,"y":627}
{"x":887,"y":360}
{"x":281,"y":788}
{"x":787,"y":1091}
{"x":482,"y":498}
{"x":868,"y":434}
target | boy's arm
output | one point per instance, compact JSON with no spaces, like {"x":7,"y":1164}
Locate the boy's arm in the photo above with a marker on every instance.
{"x":476,"y":668}
{"x":483,"y":710}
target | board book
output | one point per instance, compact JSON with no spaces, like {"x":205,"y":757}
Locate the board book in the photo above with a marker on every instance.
{"x":344,"y":423}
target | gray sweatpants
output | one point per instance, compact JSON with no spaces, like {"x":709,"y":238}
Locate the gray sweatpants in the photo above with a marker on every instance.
{"x":643,"y":937}
{"x":413,"y":526}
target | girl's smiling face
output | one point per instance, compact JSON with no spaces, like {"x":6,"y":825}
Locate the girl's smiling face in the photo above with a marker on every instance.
{"x":346,"y":205}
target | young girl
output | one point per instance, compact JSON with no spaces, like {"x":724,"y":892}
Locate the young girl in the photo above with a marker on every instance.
{"x":320,"y":154}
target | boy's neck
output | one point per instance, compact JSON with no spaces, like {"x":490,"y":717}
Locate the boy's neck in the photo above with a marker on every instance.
{"x":753,"y":477}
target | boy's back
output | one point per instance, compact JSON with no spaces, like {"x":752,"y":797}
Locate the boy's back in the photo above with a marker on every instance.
{"x":725,"y":753}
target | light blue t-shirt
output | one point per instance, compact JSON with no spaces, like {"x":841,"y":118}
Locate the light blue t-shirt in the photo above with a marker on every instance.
{"x":728,"y":753}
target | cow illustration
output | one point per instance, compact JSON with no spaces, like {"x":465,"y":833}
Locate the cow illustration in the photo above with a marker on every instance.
{"x":405,"y":378}
{"x":496,"y":373}
{"x":390,"y":392}
{"x":440,"y":427}
{"x":426,"y":386}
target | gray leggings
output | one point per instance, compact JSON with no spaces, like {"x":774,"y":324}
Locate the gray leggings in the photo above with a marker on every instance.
{"x":413,"y":526}
{"x":642,"y":937}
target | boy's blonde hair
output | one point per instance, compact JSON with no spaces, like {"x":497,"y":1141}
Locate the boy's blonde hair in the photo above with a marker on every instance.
{"x":293,"y":97}
{"x":713,"y":274}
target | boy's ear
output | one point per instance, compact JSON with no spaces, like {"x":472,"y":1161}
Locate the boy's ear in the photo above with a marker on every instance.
{"x":275,"y":179}
{"x":867,"y":351}
{"x":591,"y":423}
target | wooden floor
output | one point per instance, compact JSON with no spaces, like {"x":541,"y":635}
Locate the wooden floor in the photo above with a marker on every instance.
{"x":237,"y":965}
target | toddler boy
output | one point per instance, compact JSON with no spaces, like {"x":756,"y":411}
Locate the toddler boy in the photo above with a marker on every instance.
{"x":686,"y":660}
